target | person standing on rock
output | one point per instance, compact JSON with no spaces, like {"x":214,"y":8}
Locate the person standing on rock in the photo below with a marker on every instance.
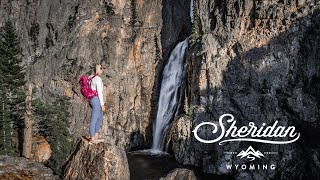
{"x":97,"y":104}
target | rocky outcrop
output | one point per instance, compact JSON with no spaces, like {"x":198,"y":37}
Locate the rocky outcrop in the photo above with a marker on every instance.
{"x":40,"y":151}
{"x":100,"y":161}
{"x":258,"y":60}
{"x":19,"y":168}
{"x":180,"y":174}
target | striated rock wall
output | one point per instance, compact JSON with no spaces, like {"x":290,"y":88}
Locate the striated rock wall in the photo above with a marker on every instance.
{"x":258,"y":60}
{"x":62,"y":40}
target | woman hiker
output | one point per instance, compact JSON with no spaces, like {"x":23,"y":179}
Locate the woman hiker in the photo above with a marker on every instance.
{"x":97,"y":105}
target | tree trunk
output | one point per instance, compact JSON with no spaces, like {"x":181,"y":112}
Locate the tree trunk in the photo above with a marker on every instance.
{"x":4,"y":128}
{"x":27,"y":133}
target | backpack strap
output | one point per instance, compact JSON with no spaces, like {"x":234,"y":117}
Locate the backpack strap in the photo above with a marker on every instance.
{"x":92,"y":77}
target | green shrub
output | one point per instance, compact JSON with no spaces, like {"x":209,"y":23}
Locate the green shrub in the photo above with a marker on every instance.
{"x":189,"y":111}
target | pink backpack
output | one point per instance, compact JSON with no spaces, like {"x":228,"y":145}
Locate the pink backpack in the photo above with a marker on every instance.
{"x":86,"y":89}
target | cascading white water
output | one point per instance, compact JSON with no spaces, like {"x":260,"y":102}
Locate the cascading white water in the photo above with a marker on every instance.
{"x":172,"y":76}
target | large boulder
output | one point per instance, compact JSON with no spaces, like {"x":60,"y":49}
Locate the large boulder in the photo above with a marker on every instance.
{"x":19,"y":168}
{"x":180,"y":174}
{"x":102,"y":161}
{"x":41,"y":150}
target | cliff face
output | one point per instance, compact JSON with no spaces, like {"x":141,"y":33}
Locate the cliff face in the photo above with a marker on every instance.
{"x":258,"y":60}
{"x":62,"y":40}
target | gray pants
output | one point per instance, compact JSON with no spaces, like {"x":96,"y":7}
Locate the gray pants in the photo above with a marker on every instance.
{"x":96,"y":116}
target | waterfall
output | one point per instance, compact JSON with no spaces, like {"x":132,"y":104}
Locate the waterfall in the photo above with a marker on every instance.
{"x":172,"y":76}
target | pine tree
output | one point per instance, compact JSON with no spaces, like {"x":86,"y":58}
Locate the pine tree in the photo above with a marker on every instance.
{"x":196,"y":32}
{"x":11,"y":92}
{"x":53,"y":124}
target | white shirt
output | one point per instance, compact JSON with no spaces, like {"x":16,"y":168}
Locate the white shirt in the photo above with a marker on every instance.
{"x":96,"y":84}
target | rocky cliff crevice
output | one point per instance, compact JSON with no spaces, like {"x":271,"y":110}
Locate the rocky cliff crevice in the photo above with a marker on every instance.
{"x":257,"y":60}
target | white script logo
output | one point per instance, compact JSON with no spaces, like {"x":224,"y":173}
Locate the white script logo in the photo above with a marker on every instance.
{"x":256,"y":134}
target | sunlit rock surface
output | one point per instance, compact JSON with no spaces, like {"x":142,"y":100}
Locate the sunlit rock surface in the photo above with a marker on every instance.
{"x":41,"y":150}
{"x":102,"y":161}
